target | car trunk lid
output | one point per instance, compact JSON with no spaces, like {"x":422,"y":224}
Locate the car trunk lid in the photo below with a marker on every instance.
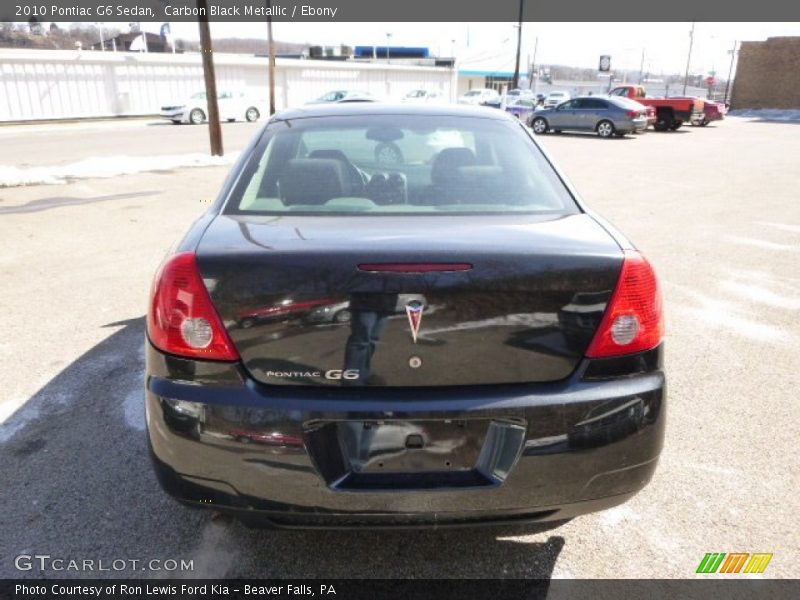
{"x":409,"y":301}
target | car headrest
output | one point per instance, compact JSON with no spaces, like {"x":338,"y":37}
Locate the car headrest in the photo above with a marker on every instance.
{"x":312,"y":181}
{"x":447,"y":163}
{"x":334,"y":154}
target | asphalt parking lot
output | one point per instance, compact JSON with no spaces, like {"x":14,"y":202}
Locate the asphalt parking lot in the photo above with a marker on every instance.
{"x":715,"y":209}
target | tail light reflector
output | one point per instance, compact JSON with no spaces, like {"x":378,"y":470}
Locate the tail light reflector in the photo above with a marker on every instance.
{"x":182,"y":319}
{"x":634,"y":318}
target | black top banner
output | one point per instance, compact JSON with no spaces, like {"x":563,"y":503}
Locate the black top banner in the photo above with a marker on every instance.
{"x":398,"y":10}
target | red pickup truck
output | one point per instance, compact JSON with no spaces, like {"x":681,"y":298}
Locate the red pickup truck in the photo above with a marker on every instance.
{"x":671,"y":113}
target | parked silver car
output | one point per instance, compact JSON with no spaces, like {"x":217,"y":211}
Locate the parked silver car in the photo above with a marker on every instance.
{"x":605,"y":116}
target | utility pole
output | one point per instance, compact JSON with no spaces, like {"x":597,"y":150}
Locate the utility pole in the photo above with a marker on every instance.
{"x":532,"y":83}
{"x":641,"y":68}
{"x":214,"y":130}
{"x":271,"y":59}
{"x":730,"y":71}
{"x":515,"y":81}
{"x":688,"y":58}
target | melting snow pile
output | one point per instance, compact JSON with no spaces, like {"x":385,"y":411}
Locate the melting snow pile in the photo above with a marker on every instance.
{"x":110,"y":166}
{"x":768,"y":114}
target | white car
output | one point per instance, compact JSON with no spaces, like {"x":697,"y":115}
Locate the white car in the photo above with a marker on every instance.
{"x":480,"y":96}
{"x":555,"y":98}
{"x":423,"y":96}
{"x":232,"y":107}
{"x":339,"y":96}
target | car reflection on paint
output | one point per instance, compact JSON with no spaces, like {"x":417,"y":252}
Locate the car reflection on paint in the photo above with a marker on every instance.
{"x":284,"y":310}
{"x":340,"y":312}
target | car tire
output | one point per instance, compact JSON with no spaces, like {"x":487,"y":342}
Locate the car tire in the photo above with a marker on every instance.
{"x":252,"y":115}
{"x":343,"y":316}
{"x":247,"y":323}
{"x":197,"y":116}
{"x":605,"y":129}
{"x":664,"y":118}
{"x":675,"y":125}
{"x":539,"y":125}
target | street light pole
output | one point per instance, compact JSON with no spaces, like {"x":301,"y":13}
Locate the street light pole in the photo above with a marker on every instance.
{"x":688,"y":58}
{"x":730,"y":71}
{"x":515,"y":81}
{"x":271,"y":59}
{"x":214,"y":130}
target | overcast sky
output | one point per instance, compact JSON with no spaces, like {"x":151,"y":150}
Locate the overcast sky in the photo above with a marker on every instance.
{"x":574,"y":44}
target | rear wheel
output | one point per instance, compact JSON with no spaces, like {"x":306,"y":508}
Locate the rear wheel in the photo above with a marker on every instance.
{"x":605,"y":129}
{"x":197,"y":116}
{"x":539,"y":125}
{"x":675,"y":125}
{"x":343,"y":316}
{"x":664,"y":119}
{"x":252,"y":114}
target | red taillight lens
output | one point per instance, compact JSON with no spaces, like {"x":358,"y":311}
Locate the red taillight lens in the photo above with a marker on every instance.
{"x":182,"y":320}
{"x":634,"y":318}
{"x":633,"y":114}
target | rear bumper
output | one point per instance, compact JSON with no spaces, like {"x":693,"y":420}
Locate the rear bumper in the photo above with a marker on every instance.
{"x":633,"y":125}
{"x":235,"y":445}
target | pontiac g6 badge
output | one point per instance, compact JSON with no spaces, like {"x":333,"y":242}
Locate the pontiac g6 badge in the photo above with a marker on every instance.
{"x":414,"y":312}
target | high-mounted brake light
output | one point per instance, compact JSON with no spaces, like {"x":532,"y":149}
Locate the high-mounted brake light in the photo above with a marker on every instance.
{"x":634,"y":319}
{"x":182,"y":319}
{"x":413,"y":267}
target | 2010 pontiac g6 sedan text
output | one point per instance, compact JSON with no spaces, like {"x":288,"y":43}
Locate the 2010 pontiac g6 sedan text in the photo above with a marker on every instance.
{"x":403,"y":315}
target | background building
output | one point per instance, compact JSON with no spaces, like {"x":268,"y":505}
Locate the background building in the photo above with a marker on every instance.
{"x":768,"y":74}
{"x":59,"y":84}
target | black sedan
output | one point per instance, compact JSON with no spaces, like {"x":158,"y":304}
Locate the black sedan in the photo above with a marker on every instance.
{"x":527,"y":386}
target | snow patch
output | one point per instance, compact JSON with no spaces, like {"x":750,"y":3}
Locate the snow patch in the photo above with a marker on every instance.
{"x":106,"y":166}
{"x":767,"y":114}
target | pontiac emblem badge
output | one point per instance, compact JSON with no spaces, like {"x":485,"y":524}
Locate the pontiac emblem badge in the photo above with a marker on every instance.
{"x":414,"y":312}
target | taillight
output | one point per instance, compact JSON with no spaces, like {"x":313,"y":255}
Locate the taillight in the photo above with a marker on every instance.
{"x":634,"y":319}
{"x":633,"y":114}
{"x":182,"y":320}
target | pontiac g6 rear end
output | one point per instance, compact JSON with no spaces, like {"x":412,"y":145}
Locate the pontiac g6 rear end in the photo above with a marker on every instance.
{"x":402,"y":315}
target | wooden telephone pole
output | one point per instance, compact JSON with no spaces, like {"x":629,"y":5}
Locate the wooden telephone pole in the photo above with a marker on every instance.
{"x":515,"y":82}
{"x":214,"y":129}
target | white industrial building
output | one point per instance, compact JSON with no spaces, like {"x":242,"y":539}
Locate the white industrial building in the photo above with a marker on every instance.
{"x":66,"y":84}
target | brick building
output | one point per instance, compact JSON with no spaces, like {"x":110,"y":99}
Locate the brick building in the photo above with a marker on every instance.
{"x":768,"y":74}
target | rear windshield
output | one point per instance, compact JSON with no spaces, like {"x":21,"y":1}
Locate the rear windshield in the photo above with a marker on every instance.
{"x":397,"y":164}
